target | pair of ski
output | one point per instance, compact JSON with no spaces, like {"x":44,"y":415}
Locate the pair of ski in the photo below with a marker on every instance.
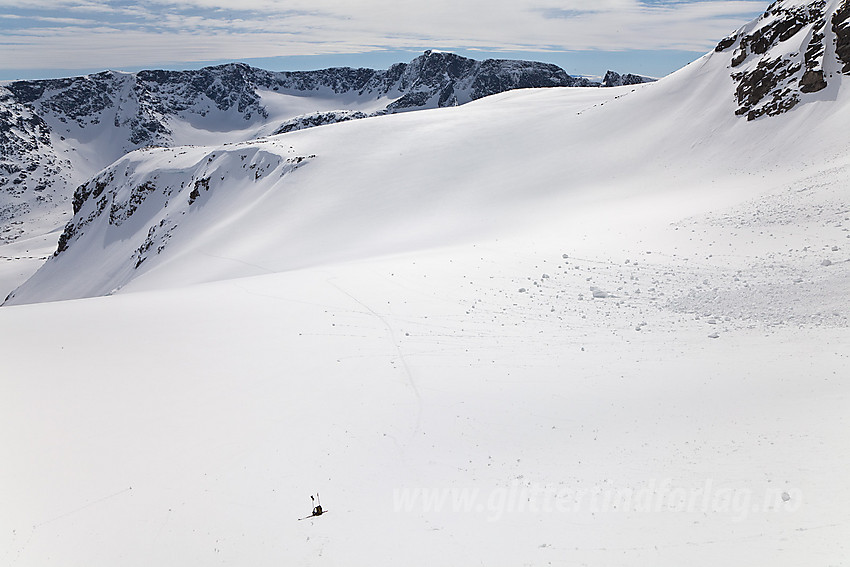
{"x":317,"y":508}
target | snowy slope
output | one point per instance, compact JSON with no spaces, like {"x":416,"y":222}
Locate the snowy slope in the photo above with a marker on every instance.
{"x":555,"y":327}
{"x":189,"y":426}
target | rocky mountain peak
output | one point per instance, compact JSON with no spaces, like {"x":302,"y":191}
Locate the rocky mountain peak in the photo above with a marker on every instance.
{"x":614,"y":79}
{"x":786,"y":55}
{"x":440,"y":63}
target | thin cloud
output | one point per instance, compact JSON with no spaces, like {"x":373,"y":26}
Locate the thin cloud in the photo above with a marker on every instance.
{"x":83,"y":34}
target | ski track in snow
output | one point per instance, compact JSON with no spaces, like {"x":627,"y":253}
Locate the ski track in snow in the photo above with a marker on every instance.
{"x":401,"y":357}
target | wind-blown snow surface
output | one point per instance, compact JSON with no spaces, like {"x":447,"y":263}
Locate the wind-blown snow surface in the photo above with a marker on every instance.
{"x":190,"y":426}
{"x":552,"y":327}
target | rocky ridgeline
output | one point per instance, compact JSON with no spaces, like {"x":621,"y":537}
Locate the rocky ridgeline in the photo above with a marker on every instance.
{"x":319,"y":119}
{"x":148,"y":97}
{"x":613,"y":79}
{"x":780,"y":57}
{"x":139,"y":211}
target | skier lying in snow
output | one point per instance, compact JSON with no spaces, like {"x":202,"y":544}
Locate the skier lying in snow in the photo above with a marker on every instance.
{"x":317,"y":509}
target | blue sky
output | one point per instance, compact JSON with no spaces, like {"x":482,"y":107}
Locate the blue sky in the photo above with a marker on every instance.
{"x":50,"y":38}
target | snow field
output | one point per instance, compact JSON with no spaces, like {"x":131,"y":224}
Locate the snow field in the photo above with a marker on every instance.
{"x":438,"y":408}
{"x":225,"y":405}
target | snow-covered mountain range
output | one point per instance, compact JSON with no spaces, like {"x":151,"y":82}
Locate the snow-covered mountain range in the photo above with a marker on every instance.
{"x":54,"y":134}
{"x":144,"y":200}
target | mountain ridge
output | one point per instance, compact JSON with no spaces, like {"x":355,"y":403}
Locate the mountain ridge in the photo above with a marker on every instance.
{"x":56,"y":133}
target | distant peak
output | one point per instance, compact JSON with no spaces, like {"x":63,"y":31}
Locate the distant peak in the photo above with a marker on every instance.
{"x":614,"y":79}
{"x":442,"y":55}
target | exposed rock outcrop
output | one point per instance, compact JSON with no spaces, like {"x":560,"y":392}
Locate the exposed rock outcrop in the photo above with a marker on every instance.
{"x":779,"y":58}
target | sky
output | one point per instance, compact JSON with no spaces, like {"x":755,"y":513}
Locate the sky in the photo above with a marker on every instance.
{"x":53,"y":38}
